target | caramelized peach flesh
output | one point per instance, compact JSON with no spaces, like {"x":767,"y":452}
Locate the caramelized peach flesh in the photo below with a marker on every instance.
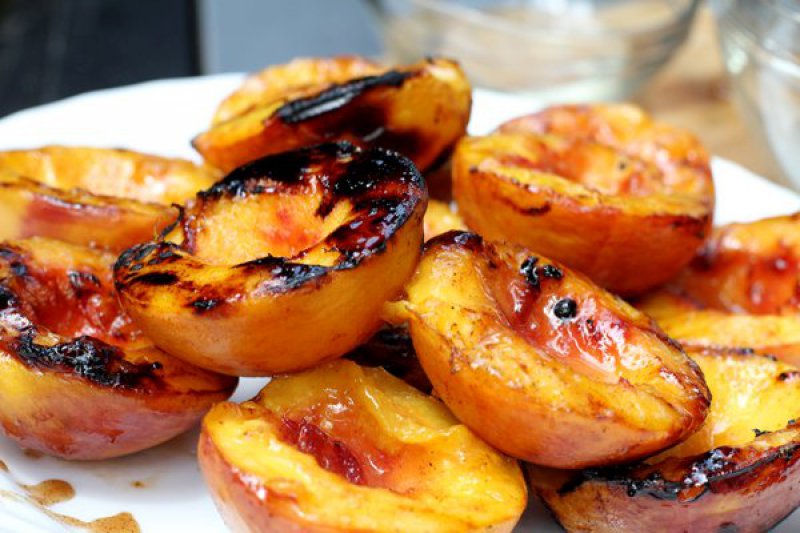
{"x":346,"y":448}
{"x":740,"y":290}
{"x":77,"y":378}
{"x":543,"y":364}
{"x":107,"y":198}
{"x":441,"y":218}
{"x":283,"y":264}
{"x":623,"y":199}
{"x":419,"y":110}
{"x":739,"y":472}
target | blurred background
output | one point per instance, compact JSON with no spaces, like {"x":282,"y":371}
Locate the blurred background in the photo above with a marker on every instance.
{"x":732,"y":77}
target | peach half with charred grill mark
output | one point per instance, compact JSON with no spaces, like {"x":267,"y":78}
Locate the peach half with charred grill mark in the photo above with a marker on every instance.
{"x":604,"y":189}
{"x":93,"y":196}
{"x":740,"y":472}
{"x":742,"y":289}
{"x":420,"y":110}
{"x":540,"y":362}
{"x":284,"y":263}
{"x":78,"y":379}
{"x":342,"y":448}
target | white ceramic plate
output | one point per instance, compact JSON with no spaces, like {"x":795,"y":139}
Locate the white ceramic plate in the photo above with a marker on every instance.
{"x":162,"y":488}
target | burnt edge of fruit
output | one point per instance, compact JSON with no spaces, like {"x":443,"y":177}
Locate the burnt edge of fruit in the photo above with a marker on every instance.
{"x":708,"y":472}
{"x":85,"y":356}
{"x":383,"y":187}
{"x":338,"y":96}
{"x":465,"y":239}
{"x":15,"y":259}
{"x":82,"y":282}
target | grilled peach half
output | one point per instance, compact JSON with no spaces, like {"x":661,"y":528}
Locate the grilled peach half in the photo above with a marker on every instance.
{"x":78,"y":380}
{"x":441,"y":217}
{"x":740,"y":472}
{"x":343,"y":448}
{"x":102,"y":197}
{"x":420,"y":110}
{"x":740,"y":290}
{"x":603,"y":189}
{"x":284,"y":263}
{"x":543,"y":364}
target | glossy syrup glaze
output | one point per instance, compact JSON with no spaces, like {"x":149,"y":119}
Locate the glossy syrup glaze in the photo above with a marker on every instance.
{"x":75,"y":309}
{"x":330,"y":431}
{"x":739,"y":281}
{"x":536,"y":298}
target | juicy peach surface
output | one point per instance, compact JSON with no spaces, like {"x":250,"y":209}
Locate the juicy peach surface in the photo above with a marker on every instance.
{"x":543,"y":364}
{"x":741,"y":290}
{"x":604,"y":189}
{"x":739,"y":472}
{"x":419,"y":110}
{"x":101,"y":197}
{"x":77,"y":378}
{"x":441,"y":217}
{"x":346,"y":448}
{"x":283,"y":264}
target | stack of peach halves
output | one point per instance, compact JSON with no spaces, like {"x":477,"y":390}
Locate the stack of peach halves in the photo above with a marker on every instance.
{"x":311,"y":249}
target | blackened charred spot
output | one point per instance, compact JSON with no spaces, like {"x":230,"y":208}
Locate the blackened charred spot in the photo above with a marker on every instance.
{"x":463,"y":239}
{"x":132,"y":255}
{"x":288,"y":168}
{"x":466,"y":239}
{"x":759,"y":432}
{"x":15,"y":261}
{"x":552,"y":271}
{"x":529,"y":272}
{"x":337,"y":96}
{"x":18,"y":269}
{"x":382,"y":187}
{"x":536,"y":211}
{"x":143,"y":251}
{"x":728,"y":527}
{"x":789,"y":376}
{"x":202,"y":305}
{"x":87,"y":357}
{"x":169,"y":253}
{"x":285,"y":274}
{"x":171,"y":226}
{"x":7,"y":298}
{"x":565,"y":309}
{"x":700,"y":472}
{"x":154,"y":278}
{"x":82,"y":282}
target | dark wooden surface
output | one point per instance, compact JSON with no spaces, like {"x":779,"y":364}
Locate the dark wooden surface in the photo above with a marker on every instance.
{"x":51,"y":49}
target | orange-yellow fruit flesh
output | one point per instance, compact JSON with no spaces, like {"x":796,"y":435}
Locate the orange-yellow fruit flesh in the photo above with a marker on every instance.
{"x":748,"y":393}
{"x":357,"y":450}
